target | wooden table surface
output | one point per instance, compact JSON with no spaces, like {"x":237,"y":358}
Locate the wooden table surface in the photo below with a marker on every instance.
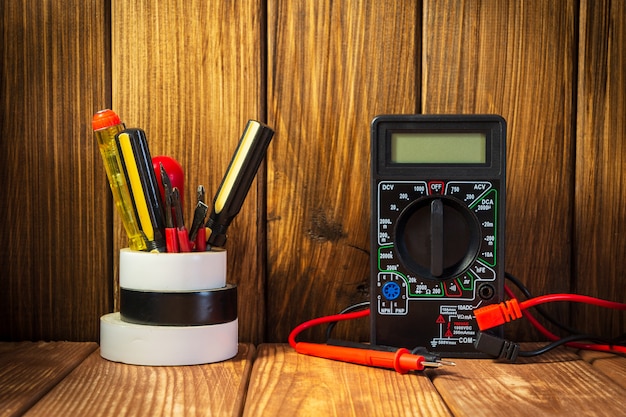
{"x":71,"y":379}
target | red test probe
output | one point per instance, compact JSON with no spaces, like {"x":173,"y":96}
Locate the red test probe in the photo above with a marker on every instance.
{"x":401,"y":360}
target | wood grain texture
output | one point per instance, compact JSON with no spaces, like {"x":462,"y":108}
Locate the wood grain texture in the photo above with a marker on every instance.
{"x":286,"y":383}
{"x":192,"y":72}
{"x":103,"y":388}
{"x":556,"y":384}
{"x":191,"y":75}
{"x":516,"y":59}
{"x":600,"y":194}
{"x":332,"y":67}
{"x":56,"y":256}
{"x":29,"y":370}
{"x":611,"y":365}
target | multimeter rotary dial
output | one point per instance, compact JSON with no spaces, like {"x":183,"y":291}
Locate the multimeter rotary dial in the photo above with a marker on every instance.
{"x":437,"y":237}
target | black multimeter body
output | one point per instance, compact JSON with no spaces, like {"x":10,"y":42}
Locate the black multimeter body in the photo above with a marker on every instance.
{"x":437,"y":229}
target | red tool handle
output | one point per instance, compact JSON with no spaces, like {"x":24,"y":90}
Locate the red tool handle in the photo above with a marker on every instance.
{"x":174,"y":172}
{"x":401,"y":360}
{"x":171,"y":240}
{"x":183,"y":240}
{"x":201,"y":239}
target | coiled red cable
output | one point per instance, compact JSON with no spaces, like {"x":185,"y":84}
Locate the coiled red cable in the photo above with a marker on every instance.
{"x":524,"y":305}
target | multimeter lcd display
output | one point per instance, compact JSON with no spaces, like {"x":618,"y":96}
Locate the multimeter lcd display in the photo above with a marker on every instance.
{"x":438,"y":148}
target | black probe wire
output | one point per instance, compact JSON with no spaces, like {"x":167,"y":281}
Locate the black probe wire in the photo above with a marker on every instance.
{"x":575,"y":335}
{"x":359,"y":306}
{"x":560,"y":342}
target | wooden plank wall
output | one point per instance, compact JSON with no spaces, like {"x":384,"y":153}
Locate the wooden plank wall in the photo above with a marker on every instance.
{"x":327,"y":79}
{"x":56,"y":259}
{"x":191,"y":73}
{"x":600,"y":192}
{"x":516,"y":59}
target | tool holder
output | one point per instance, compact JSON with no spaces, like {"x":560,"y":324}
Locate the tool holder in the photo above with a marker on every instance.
{"x":175,"y":309}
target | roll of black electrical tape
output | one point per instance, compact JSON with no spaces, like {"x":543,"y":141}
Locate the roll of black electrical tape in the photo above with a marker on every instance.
{"x":183,"y":308}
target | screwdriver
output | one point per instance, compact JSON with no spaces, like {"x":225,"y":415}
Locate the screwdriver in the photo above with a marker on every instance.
{"x":106,"y":124}
{"x":134,"y":153}
{"x":183,"y":237}
{"x":171,"y":238}
{"x":197,"y":232}
{"x":236,"y":183}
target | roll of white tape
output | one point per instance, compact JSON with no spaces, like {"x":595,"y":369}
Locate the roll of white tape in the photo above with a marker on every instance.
{"x":189,"y":271}
{"x":166,"y":345}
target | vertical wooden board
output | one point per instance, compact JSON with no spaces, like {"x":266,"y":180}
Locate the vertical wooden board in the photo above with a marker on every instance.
{"x":515,"y":58}
{"x":190,"y":74}
{"x":55,"y":207}
{"x":332,"y":67}
{"x":600,"y":214}
{"x":613,"y":366}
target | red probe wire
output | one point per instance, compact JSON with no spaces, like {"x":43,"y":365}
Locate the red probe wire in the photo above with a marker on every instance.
{"x":559,"y":297}
{"x":324,"y":320}
{"x":402,"y":360}
{"x":497,"y":314}
{"x":573,"y":298}
{"x":487,"y":317}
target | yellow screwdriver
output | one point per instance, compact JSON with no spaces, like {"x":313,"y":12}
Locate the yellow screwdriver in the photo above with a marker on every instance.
{"x":106,"y":124}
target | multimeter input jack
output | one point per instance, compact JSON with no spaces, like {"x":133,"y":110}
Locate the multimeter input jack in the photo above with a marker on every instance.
{"x":486,"y":291}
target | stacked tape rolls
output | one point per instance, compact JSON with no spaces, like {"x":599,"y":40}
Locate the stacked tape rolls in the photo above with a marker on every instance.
{"x":175,"y":309}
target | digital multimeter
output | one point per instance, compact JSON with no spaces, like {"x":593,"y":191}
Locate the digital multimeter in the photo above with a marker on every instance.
{"x":437,"y":229}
